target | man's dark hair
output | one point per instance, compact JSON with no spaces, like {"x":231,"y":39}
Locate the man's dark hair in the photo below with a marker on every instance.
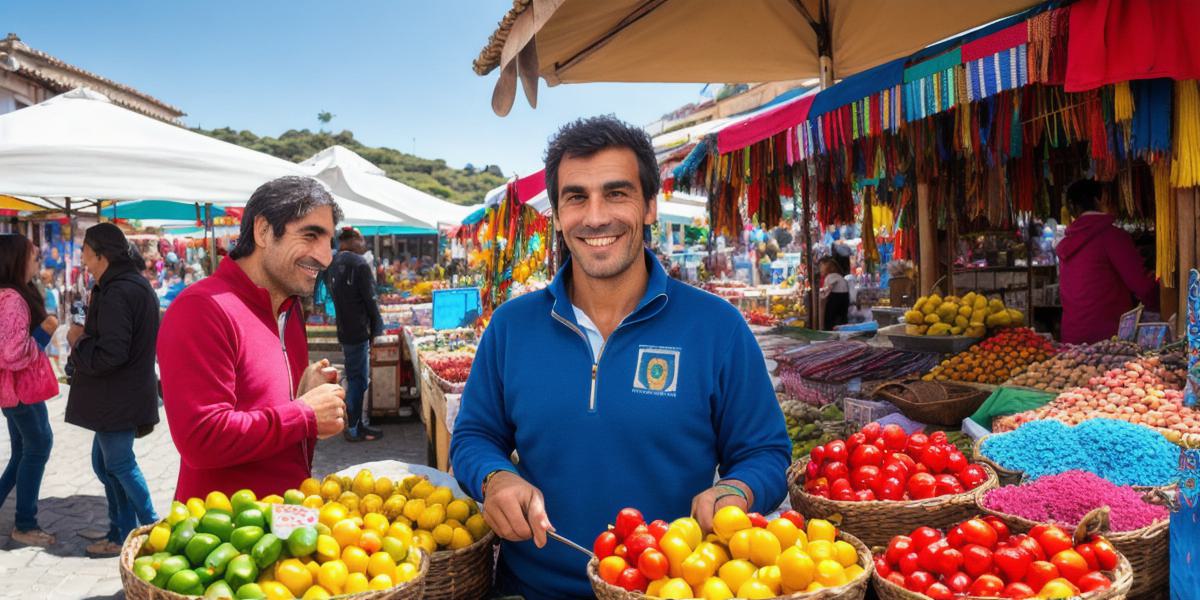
{"x":281,"y":201}
{"x":585,"y":137}
{"x":107,"y":240}
{"x":1083,"y":195}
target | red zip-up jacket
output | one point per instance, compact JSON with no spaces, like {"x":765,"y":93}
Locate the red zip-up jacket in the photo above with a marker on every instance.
{"x":1100,"y":271}
{"x":229,"y":386}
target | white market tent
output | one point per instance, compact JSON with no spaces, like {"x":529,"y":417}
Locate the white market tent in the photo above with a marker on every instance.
{"x":81,"y":145}
{"x":355,"y":178}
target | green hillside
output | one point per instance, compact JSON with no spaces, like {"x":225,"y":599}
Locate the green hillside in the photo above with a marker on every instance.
{"x":461,"y":186}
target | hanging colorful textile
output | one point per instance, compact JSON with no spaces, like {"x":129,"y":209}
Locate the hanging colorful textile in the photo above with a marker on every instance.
{"x":1151,"y":125}
{"x":929,"y":87}
{"x":1165,"y":231}
{"x":993,"y":74}
{"x":1048,"y":46}
{"x":1185,"y":170}
{"x":1193,"y":337}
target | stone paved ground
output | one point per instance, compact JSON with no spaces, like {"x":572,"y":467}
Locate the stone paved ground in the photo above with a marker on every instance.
{"x":72,"y":503}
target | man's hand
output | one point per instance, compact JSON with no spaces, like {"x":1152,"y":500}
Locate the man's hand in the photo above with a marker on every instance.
{"x":327,"y":401}
{"x":515,"y":510}
{"x":49,"y":324}
{"x":316,"y":374}
{"x":708,"y":502}
{"x":74,"y":334}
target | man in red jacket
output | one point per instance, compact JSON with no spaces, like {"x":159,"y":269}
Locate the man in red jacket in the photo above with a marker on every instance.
{"x":244,"y":406}
{"x":1100,"y":270}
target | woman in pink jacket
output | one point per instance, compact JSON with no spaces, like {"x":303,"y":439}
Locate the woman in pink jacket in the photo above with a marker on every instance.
{"x":26,"y":382}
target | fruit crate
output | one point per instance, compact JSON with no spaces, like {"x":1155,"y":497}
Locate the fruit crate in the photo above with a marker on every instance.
{"x":860,"y":411}
{"x":941,"y":344}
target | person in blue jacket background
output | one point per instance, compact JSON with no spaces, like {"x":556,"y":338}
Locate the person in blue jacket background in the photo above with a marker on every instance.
{"x":616,"y":386}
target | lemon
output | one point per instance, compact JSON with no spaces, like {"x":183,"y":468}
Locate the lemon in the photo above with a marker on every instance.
{"x":371,"y":503}
{"x":294,"y":575}
{"x":327,"y":548}
{"x":274,"y":590}
{"x":755,"y":589}
{"x":460,"y":539}
{"x":830,"y":573}
{"x":821,"y":550}
{"x":382,"y":581}
{"x":331,"y":489}
{"x":375,"y":522}
{"x":477,"y":526}
{"x":401,"y":531}
{"x":796,"y":570}
{"x":364,"y":483}
{"x":356,"y":583}
{"x":440,"y":495}
{"x":785,"y":530}
{"x":736,"y":572}
{"x":333,"y":576}
{"x":424,"y":540}
{"x":384,"y":487}
{"x":431,"y":517}
{"x":219,"y":501}
{"x":820,"y":529}
{"x":178,"y":512}
{"x":381,"y":563}
{"x":313,"y":502}
{"x":196,"y":507}
{"x":316,"y":592}
{"x":346,"y":532}
{"x":845,"y":553}
{"x":356,"y":559}
{"x":421,"y":489}
{"x":159,"y":536}
{"x":764,"y":547}
{"x":405,"y":572}
{"x":310,"y":487}
{"x":414,"y":508}
{"x":442,"y":534}
{"x":458,"y":510}
{"x":393,"y":507}
{"x":728,"y":521}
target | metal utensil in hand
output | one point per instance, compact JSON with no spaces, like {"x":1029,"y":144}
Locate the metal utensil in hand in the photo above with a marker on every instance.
{"x":563,"y":540}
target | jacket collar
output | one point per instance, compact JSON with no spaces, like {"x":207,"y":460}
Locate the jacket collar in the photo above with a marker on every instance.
{"x":114,"y":272}
{"x":255,"y":296}
{"x":651,"y":303}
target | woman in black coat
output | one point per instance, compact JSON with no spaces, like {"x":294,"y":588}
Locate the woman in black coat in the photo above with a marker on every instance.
{"x":114,"y":389}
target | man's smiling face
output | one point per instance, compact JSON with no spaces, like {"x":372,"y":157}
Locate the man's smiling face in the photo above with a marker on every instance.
{"x":293,"y":261}
{"x":602,"y":211}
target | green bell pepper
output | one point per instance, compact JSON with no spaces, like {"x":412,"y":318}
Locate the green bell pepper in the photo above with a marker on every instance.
{"x":241,"y":570}
{"x":219,"y":559}
{"x":199,"y":547}
{"x":244,"y":538}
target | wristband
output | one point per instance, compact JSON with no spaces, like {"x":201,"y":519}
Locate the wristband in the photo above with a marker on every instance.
{"x":486,"y":480}
{"x":734,"y":490}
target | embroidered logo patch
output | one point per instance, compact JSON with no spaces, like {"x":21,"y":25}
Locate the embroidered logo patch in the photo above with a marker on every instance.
{"x":657,"y":369}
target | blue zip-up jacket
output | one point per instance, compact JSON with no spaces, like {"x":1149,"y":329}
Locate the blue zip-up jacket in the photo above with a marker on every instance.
{"x":678,"y":393}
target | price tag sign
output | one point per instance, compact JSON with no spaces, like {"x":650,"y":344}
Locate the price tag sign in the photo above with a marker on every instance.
{"x":286,"y":518}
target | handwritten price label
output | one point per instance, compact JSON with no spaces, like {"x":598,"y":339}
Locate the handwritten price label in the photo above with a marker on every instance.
{"x":286,"y":518}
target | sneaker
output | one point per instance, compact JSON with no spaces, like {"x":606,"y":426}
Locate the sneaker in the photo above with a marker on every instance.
{"x":370,"y":433}
{"x":34,"y":537}
{"x":103,"y":549}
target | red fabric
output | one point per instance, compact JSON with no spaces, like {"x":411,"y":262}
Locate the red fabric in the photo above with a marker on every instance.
{"x":228,"y":388}
{"x":1000,"y":41}
{"x":1122,"y":40}
{"x":530,"y":186}
{"x":1100,"y":272}
{"x":764,"y":125}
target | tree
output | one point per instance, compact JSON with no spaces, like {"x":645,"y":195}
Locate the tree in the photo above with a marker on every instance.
{"x":325,"y":117}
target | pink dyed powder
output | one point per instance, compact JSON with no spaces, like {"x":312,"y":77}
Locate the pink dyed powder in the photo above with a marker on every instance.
{"x":1067,"y":497}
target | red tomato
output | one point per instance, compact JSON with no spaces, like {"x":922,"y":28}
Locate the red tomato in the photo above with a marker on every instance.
{"x":980,"y":533}
{"x":918,"y":581}
{"x":1088,"y":552}
{"x":758,"y":520}
{"x":627,"y":520}
{"x":938,"y":437}
{"x":1093,"y":581}
{"x":959,"y":582}
{"x":844,"y":495}
{"x":796,"y":518}
{"x":956,"y":537}
{"x":934,"y":457}
{"x":854,"y":441}
{"x":610,"y":569}
{"x":639,"y":529}
{"x":917,"y":443}
{"x":1040,"y":573}
{"x":658,"y":528}
{"x":865,"y":496}
{"x":866,"y":454}
{"x":836,"y":450}
{"x":955,"y":462}
{"x":890,"y":489}
{"x":872,"y":430}
{"x":921,"y":468}
{"x":921,"y":486}
{"x":882,"y":567}
{"x":939,"y":591}
{"x":835,"y":469}
{"x":977,"y":560}
{"x":894,"y":438}
{"x":927,"y":557}
{"x":1070,"y":565}
{"x":924,"y":536}
{"x":897,"y":578}
{"x":1031,"y":545}
{"x":632,"y":580}
{"x":906,"y":459}
{"x":949,"y":561}
{"x":909,"y":564}
{"x":605,"y":545}
{"x":817,"y":455}
{"x":1013,"y":562}
{"x":620,"y":551}
{"x":1018,"y":591}
{"x":899,"y":546}
{"x":1106,"y":554}
{"x":838,"y":485}
{"x":653,"y":564}
{"x":1002,"y":531}
{"x":638,"y":543}
{"x":987,"y":585}
{"x":947,"y":484}
{"x":895,"y":468}
{"x":1052,"y":538}
{"x":973,"y":476}
{"x":812,"y":470}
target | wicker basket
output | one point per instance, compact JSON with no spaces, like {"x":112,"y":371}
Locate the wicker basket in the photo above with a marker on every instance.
{"x":137,"y":589}
{"x":854,"y":590}
{"x":1147,"y":549}
{"x":463,"y":574}
{"x":877,"y":522}
{"x":1007,"y":476}
{"x":1122,"y":580}
{"x":945,"y":404}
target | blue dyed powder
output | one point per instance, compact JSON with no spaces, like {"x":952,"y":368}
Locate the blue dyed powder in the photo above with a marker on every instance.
{"x":1121,"y":452}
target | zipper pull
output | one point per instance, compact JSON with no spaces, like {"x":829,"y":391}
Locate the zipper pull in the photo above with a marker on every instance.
{"x":594,"y":371}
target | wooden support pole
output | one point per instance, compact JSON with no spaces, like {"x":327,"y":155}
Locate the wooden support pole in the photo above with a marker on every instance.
{"x":927,"y":232}
{"x":809,"y":271}
{"x":1189,"y":231}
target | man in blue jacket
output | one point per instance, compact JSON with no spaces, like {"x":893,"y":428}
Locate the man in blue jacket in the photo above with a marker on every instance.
{"x":616,"y":386}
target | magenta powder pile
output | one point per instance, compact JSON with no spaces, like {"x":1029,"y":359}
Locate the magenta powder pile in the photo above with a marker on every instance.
{"x":1067,"y":497}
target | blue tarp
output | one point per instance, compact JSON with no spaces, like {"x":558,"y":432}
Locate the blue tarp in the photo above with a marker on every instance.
{"x":157,"y":209}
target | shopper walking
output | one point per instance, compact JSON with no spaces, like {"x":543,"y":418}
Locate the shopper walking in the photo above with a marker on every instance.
{"x":26,"y":381}
{"x":245,"y":406}
{"x":114,"y":391}
{"x":358,"y":322}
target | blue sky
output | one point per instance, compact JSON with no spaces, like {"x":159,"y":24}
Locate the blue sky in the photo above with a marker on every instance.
{"x":390,"y":71}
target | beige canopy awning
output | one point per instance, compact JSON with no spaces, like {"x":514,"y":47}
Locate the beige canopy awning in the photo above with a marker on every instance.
{"x":725,"y":41}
